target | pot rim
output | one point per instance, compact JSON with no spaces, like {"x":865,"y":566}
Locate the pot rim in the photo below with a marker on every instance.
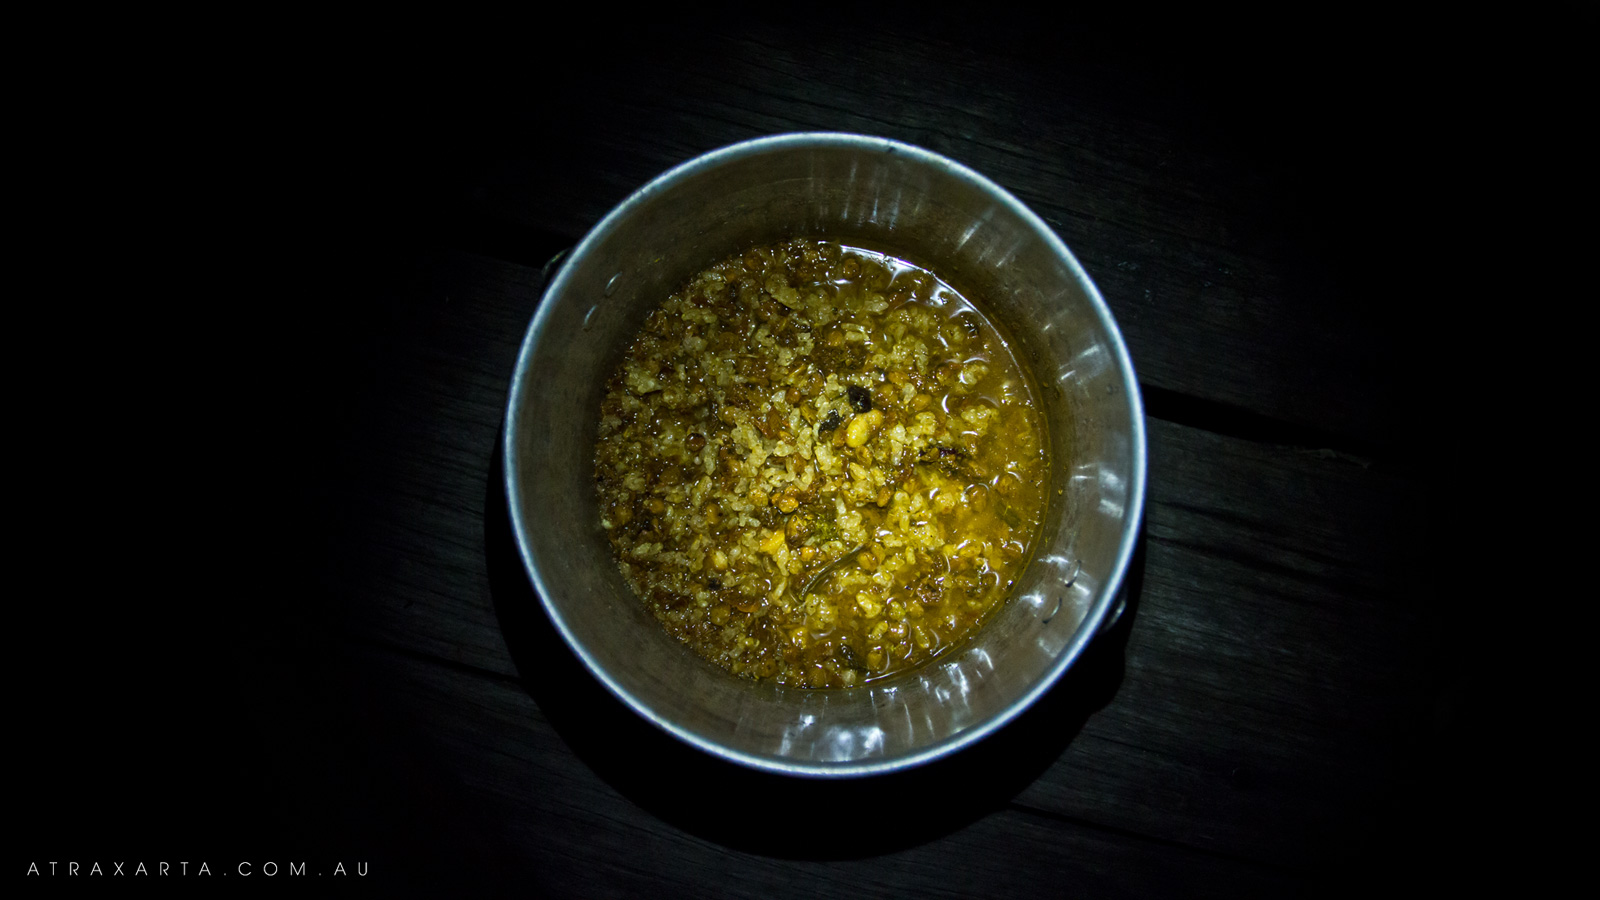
{"x":1096,"y":619}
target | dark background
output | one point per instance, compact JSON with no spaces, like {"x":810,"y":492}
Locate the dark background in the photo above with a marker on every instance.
{"x":280,"y":275}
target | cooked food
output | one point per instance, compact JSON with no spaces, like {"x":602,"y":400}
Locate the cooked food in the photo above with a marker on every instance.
{"x":819,"y":464}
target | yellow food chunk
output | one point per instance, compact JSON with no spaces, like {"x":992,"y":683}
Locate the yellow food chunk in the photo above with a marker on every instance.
{"x":862,"y":428}
{"x":773,"y":543}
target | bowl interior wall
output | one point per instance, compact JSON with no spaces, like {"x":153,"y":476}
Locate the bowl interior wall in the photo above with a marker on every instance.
{"x":921,"y":208}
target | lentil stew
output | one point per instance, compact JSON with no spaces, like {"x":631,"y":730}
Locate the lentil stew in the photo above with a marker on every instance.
{"x":820,"y":464}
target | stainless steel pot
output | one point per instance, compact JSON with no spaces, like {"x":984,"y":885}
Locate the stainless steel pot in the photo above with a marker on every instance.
{"x":929,"y":210}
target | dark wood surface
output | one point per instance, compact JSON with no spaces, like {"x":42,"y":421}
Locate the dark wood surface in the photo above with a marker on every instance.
{"x":310,"y":638}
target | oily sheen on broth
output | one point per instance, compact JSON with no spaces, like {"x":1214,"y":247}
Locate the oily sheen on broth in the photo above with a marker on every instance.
{"x":820,"y":465}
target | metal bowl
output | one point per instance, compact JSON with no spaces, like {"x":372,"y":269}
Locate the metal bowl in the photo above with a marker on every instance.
{"x":929,"y":210}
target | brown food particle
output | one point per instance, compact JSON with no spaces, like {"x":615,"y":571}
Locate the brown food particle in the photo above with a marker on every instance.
{"x":883,"y":396}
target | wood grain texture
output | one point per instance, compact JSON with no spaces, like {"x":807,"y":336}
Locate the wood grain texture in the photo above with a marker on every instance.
{"x":1220,"y":221}
{"x":1267,"y":697}
{"x":523,"y":814}
{"x":283,"y":617}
